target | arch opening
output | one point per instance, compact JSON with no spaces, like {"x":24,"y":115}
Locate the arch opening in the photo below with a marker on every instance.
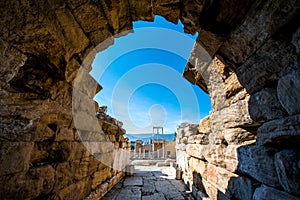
{"x":156,"y":52}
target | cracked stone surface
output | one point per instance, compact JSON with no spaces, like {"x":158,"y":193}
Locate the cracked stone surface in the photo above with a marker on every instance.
{"x":150,"y":183}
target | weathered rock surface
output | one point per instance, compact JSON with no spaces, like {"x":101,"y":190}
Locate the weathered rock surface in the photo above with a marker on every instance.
{"x":284,"y":131}
{"x":258,"y":162}
{"x":247,"y":53}
{"x":264,"y":105}
{"x":288,"y":170}
{"x":264,"y":193}
{"x":242,"y":188}
{"x":289,"y":92}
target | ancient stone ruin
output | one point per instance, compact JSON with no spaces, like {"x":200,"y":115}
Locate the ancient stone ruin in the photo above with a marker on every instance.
{"x":247,"y":148}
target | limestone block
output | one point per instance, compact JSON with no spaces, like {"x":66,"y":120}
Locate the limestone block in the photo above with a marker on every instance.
{"x":65,"y":134}
{"x":267,"y":65}
{"x":232,"y":85}
{"x":265,"y":193}
{"x":90,"y":17}
{"x":215,"y":154}
{"x":11,"y":60}
{"x":288,"y":170}
{"x":36,"y":182}
{"x":242,"y":188}
{"x":190,"y":129}
{"x":256,"y":29}
{"x":86,"y":122}
{"x":281,"y":131}
{"x":258,"y":162}
{"x":41,"y":180}
{"x":82,"y":102}
{"x":211,"y":191}
{"x":198,"y":166}
{"x":200,"y":139}
{"x":141,"y":10}
{"x":81,"y":169}
{"x":88,"y":136}
{"x":117,"y":14}
{"x":204,"y":125}
{"x":63,"y":176}
{"x":99,"y":147}
{"x":220,"y":155}
{"x":106,"y":158}
{"x":219,"y":177}
{"x":236,"y":115}
{"x":101,"y":176}
{"x":288,"y":90}
{"x":168,"y":9}
{"x":236,"y":136}
{"x":231,"y":158}
{"x":14,"y":156}
{"x":77,"y":190}
{"x":264,"y":105}
{"x":198,"y":151}
{"x":110,"y":128}
{"x":75,"y":35}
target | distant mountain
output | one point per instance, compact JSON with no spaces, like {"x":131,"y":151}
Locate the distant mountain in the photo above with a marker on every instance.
{"x":146,"y":137}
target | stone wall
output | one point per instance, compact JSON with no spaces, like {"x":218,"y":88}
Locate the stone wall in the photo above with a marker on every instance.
{"x":48,"y":150}
{"x":247,"y":148}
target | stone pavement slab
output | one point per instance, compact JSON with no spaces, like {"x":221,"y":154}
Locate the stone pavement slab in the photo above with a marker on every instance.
{"x":149,"y":183}
{"x":156,"y":196}
{"x":131,"y":181}
{"x":129,"y":193}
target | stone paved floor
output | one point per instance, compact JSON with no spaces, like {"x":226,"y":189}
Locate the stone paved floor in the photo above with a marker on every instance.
{"x":150,"y":183}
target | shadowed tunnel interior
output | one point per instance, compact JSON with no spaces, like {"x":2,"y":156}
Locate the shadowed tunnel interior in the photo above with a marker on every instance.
{"x":247,"y":148}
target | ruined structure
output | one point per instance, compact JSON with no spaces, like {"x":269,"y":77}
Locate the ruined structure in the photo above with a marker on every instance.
{"x":246,"y":149}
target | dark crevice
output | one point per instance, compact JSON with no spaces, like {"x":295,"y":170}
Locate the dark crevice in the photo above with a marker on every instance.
{"x":37,"y":74}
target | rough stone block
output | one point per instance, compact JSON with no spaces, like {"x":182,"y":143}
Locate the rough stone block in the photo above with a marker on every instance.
{"x":100,"y":176}
{"x":197,"y":150}
{"x":14,"y":157}
{"x":258,"y":162}
{"x":234,"y":116}
{"x":235,"y":136}
{"x":288,"y":170}
{"x":264,"y":105}
{"x":242,"y":188}
{"x":198,"y":166}
{"x":76,"y":190}
{"x":36,"y":182}
{"x":267,"y":65}
{"x":219,"y":177}
{"x":288,"y":90}
{"x":265,"y":193}
{"x":285,"y":131}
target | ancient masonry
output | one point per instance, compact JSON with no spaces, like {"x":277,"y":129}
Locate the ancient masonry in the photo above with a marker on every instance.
{"x":247,"y":148}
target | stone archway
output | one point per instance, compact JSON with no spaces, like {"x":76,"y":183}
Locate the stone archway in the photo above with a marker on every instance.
{"x":254,"y":90}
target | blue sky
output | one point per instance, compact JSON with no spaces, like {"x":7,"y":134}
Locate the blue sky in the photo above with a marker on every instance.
{"x":141,"y":76}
